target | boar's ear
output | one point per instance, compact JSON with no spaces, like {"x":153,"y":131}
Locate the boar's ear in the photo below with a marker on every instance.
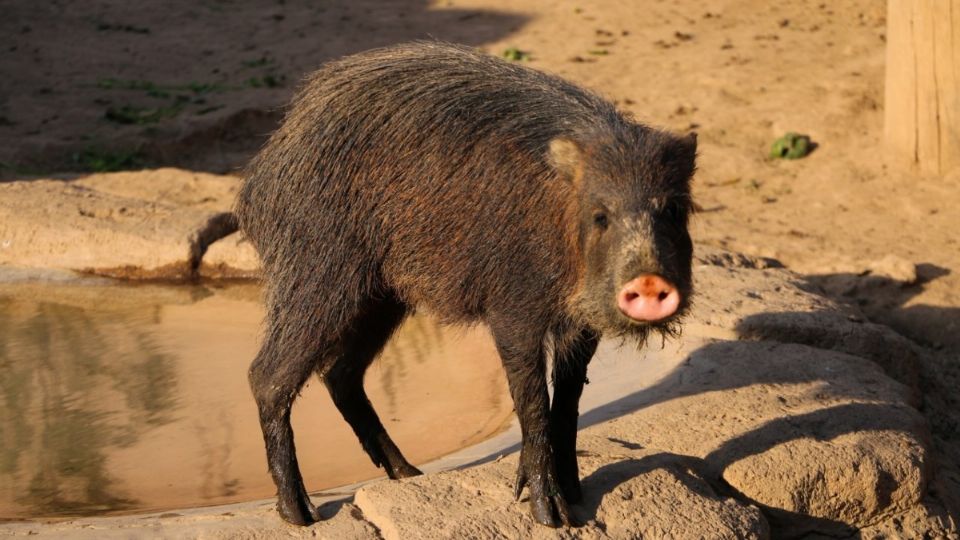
{"x":681,"y":154}
{"x":566,"y":157}
{"x":691,"y":140}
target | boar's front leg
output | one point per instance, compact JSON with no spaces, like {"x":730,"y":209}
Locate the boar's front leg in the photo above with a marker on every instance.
{"x":569,"y":375}
{"x":522,"y":354}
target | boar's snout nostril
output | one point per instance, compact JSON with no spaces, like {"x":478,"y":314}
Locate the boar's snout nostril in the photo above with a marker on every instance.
{"x":648,"y":298}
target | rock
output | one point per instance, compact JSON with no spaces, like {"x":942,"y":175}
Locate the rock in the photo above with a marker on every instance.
{"x":759,"y":302}
{"x":231,"y":257}
{"x":129,"y":224}
{"x":833,"y":330}
{"x":823,"y":441}
{"x":731,"y":287}
{"x":614,"y":473}
{"x":629,"y":493}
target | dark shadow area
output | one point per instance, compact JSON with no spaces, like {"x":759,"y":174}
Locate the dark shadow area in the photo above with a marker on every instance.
{"x":692,"y":473}
{"x":896,"y":355}
{"x":720,"y":366}
{"x":883,"y":300}
{"x":331,"y":508}
{"x":197,"y":84}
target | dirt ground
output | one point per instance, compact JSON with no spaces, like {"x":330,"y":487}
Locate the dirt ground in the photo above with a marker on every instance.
{"x":105,"y":84}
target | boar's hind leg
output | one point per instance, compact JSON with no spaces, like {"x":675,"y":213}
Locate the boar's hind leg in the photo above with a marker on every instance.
{"x":521,"y":351}
{"x":569,"y":375}
{"x":344,"y":380}
{"x":276,"y":376}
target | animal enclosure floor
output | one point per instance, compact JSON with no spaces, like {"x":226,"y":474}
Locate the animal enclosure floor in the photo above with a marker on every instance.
{"x":105,"y":84}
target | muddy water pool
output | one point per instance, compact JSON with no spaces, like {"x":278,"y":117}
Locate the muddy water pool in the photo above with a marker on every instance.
{"x":120,"y":398}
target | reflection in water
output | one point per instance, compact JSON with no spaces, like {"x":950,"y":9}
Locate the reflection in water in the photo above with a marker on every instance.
{"x":131,"y":398}
{"x":215,"y":444}
{"x":420,"y":336}
{"x":70,"y":393}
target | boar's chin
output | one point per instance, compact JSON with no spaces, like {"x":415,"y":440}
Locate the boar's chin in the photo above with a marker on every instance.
{"x":640,"y":332}
{"x":608,"y":321}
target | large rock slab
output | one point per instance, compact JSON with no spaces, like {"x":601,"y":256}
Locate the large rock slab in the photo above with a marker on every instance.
{"x":629,"y":493}
{"x":753,"y":299}
{"x":815,"y":433}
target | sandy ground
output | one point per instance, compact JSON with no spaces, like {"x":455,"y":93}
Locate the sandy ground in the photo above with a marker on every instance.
{"x":105,"y":84}
{"x":196,"y":84}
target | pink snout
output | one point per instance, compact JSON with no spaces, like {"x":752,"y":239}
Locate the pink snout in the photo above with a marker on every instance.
{"x":648,"y":298}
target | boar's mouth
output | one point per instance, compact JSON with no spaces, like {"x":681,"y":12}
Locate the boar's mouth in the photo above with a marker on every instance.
{"x":640,"y":335}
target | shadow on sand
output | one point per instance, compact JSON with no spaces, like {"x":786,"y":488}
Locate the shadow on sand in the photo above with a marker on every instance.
{"x":191,"y":84}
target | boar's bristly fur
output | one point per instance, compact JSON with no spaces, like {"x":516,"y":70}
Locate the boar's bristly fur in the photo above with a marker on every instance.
{"x":430,"y":176}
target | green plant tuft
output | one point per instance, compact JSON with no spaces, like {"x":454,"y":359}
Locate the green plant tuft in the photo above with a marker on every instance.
{"x":514,"y":54}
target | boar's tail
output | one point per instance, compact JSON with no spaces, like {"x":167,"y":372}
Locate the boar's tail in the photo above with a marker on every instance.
{"x":217,"y":227}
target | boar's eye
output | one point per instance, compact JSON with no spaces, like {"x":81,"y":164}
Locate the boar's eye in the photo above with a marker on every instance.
{"x":600,"y":220}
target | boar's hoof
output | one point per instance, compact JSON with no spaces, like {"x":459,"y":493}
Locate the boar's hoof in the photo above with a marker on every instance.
{"x":570,"y":487}
{"x":299,"y":511}
{"x":404,"y":470}
{"x":547,"y":502}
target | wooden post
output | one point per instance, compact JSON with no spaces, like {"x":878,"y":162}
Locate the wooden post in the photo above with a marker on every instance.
{"x":922,"y":101}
